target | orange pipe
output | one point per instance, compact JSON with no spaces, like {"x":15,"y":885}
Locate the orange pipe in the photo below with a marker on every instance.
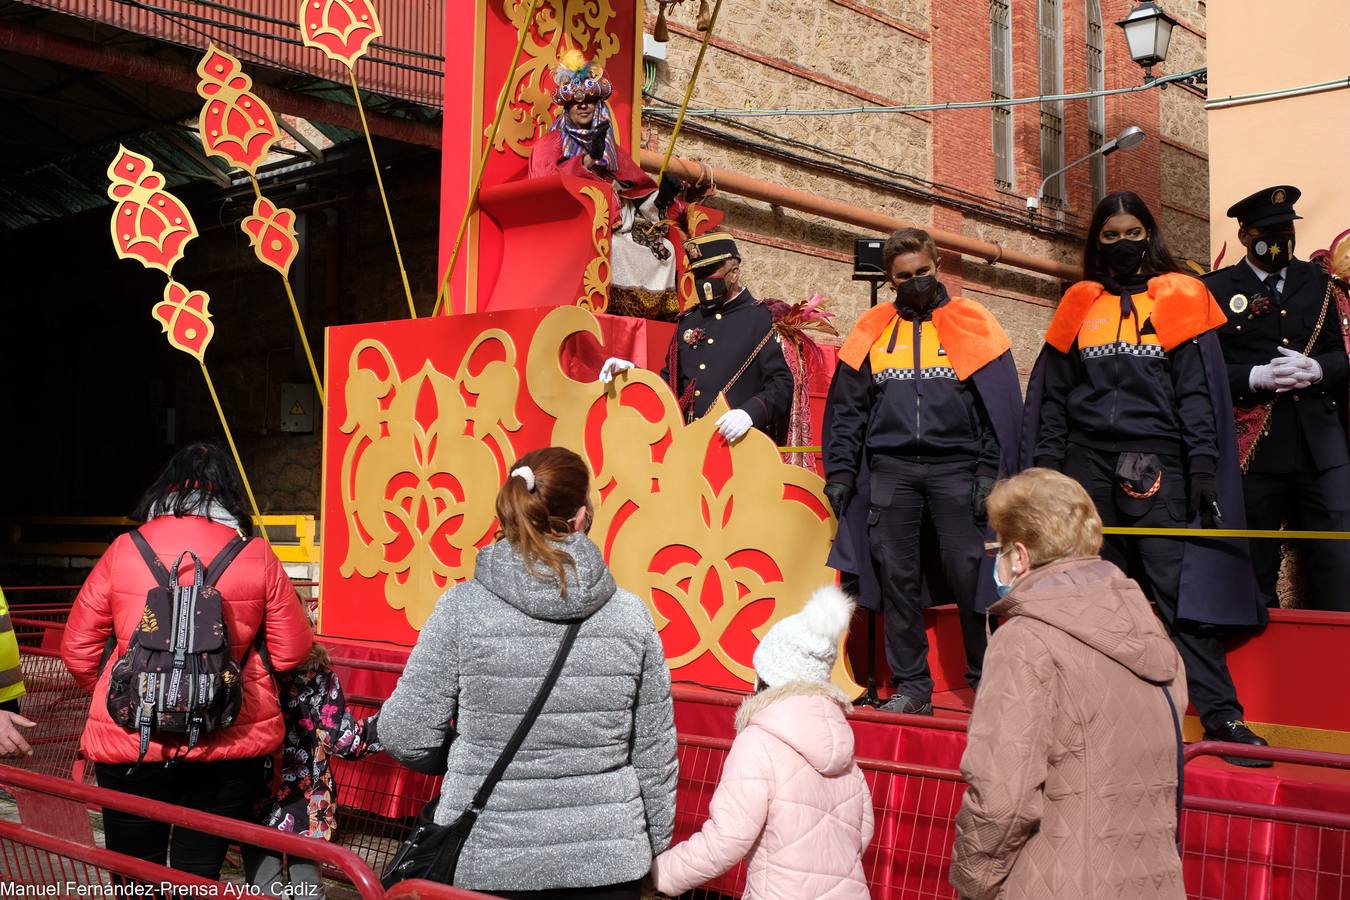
{"x":847,"y":213}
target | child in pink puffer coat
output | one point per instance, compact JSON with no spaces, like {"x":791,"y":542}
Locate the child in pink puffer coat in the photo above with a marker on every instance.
{"x":790,"y":794}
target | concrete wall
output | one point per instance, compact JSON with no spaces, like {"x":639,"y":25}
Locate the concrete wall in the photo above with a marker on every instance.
{"x":1301,"y":140}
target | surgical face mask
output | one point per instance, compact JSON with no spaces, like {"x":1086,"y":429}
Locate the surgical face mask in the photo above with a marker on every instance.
{"x":1001,"y":589}
{"x":1123,"y":257}
{"x":1273,"y":251}
{"x":918,"y":292}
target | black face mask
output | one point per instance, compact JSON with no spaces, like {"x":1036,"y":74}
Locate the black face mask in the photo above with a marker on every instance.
{"x":711,"y":290}
{"x":1123,"y":258}
{"x":917,"y":293}
{"x":1272,"y":252}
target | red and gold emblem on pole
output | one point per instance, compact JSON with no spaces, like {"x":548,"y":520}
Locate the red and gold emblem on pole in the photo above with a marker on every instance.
{"x":342,"y":29}
{"x":149,"y":224}
{"x":183,"y":316}
{"x":271,"y":231}
{"x":234,"y":123}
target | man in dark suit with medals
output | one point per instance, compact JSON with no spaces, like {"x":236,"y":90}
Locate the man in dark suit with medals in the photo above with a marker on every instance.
{"x":1287,"y":367}
{"x":726,"y":343}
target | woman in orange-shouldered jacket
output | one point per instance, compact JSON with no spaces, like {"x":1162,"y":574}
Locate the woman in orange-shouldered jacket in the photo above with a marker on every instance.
{"x":195,"y":504}
{"x":1130,"y":398}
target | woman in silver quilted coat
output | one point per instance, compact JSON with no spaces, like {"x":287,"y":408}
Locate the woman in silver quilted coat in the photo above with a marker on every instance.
{"x":589,"y":799}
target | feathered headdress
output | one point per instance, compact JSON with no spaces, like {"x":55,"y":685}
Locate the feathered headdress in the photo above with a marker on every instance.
{"x":576,"y":80}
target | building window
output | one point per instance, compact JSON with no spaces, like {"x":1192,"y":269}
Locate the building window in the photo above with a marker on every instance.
{"x":1000,"y":80}
{"x":1050,"y":24}
{"x":1096,"y":81}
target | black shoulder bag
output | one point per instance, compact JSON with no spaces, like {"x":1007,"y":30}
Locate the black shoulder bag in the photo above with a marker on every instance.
{"x":432,"y":851}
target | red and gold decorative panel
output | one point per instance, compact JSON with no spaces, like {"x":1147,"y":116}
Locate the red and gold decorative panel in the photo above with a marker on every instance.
{"x":426,"y":418}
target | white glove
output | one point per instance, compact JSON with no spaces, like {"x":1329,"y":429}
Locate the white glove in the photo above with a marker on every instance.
{"x":1278,"y":375}
{"x":1307,"y":370}
{"x":613,"y":366}
{"x":734,"y":424}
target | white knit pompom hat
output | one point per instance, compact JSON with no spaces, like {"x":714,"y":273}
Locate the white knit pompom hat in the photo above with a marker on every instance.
{"x":803,"y":647}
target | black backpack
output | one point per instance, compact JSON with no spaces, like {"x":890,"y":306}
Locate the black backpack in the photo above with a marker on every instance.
{"x":177,"y":676}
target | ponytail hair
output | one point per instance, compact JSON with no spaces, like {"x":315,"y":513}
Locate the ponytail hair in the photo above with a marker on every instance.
{"x":537,"y":504}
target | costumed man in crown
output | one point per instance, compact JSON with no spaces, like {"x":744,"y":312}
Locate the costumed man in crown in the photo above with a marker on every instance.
{"x":1285,"y":348}
{"x":725,"y":344}
{"x":582,"y":144}
{"x":923,"y":416}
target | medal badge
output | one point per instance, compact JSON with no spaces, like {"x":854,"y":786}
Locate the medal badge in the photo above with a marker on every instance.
{"x":1238,"y":303}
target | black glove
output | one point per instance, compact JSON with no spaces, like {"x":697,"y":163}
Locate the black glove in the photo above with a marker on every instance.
{"x":979,"y":496}
{"x":597,"y":149}
{"x":670,"y":189}
{"x":1204,"y":499}
{"x":838,"y":494}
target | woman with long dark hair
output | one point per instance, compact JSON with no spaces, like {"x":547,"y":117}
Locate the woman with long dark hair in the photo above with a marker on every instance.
{"x":195,"y":504}
{"x":1130,"y":398}
{"x":589,"y":797}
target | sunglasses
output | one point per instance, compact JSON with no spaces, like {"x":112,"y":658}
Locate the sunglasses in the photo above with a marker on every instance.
{"x":992,"y":548}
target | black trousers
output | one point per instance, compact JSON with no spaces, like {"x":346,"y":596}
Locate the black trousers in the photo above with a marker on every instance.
{"x":628,"y":890}
{"x":902,"y":491}
{"x":1155,"y":563}
{"x":229,"y":788}
{"x":1307,"y":500}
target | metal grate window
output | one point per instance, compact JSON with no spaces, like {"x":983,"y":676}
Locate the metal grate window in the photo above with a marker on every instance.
{"x":1000,"y":81}
{"x":1096,"y":81}
{"x":1050,"y":25}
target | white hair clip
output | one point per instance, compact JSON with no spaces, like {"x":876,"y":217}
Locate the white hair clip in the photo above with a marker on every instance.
{"x":526,"y":474}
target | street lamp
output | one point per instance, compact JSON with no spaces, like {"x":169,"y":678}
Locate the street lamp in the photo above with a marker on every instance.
{"x":1148,"y":31}
{"x":1128,"y":139}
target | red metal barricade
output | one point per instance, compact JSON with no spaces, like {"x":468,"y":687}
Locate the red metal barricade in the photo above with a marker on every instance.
{"x":59,"y":708}
{"x":915,"y":812}
{"x":55,"y":842}
{"x":1234,"y":850}
{"x":417,"y":889}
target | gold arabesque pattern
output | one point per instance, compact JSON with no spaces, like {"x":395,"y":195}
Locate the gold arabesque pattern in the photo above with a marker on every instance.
{"x":760,"y":536}
{"x":558,"y":25}
{"x":421,"y":469}
{"x":595,"y":280}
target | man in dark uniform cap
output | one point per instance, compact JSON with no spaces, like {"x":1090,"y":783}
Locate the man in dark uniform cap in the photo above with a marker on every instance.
{"x":726,"y":343}
{"x":1287,"y":367}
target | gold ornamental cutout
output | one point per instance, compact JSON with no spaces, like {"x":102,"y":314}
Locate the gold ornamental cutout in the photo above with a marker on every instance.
{"x":760,"y":536}
{"x":421,"y":468}
{"x":557,"y":25}
{"x":595,"y":280}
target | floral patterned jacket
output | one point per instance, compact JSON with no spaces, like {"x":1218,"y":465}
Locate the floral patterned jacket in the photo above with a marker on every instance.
{"x":318,"y":727}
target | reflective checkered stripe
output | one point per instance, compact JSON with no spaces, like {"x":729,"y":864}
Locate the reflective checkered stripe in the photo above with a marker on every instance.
{"x":1153,"y":351}
{"x":886,"y":375}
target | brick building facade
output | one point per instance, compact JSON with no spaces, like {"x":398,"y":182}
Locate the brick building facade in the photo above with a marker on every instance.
{"x":936,"y":168}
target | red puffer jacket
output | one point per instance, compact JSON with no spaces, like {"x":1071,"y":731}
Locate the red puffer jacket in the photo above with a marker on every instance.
{"x":257,"y":595}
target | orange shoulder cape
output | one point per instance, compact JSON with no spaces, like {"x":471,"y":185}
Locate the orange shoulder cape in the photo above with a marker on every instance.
{"x":1070,"y":313}
{"x":1183,"y":309}
{"x":969,"y":333}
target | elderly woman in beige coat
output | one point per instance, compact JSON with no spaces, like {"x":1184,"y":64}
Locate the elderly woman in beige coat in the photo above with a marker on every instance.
{"x":1072,"y":759}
